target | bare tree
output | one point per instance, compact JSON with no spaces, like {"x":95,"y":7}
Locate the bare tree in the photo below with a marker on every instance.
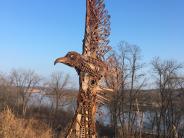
{"x":127,"y":84}
{"x":115,"y":82}
{"x":23,"y":83}
{"x":7,"y":97}
{"x":167,"y":79}
{"x":57,"y":89}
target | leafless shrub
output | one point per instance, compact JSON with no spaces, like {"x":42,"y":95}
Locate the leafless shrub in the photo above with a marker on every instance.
{"x":23,"y":82}
{"x":11,"y":126}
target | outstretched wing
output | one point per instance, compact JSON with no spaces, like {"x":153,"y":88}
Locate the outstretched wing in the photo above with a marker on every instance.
{"x":97,"y":29}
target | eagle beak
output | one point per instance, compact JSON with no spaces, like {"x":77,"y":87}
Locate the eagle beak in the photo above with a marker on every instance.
{"x":60,"y":60}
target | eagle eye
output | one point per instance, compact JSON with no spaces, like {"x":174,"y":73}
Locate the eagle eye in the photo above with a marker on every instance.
{"x":72,"y":57}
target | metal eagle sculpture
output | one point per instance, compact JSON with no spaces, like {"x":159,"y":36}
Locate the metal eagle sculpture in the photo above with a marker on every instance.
{"x":90,"y":67}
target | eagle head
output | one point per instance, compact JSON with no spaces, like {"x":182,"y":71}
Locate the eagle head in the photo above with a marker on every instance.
{"x":70,"y":59}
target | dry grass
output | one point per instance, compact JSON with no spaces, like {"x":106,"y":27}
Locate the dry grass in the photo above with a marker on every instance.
{"x":12,"y":127}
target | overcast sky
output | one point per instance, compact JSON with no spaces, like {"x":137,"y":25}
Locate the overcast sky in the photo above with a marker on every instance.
{"x":35,"y":32}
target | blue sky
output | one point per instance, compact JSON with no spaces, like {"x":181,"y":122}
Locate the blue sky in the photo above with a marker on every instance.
{"x":35,"y":32}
